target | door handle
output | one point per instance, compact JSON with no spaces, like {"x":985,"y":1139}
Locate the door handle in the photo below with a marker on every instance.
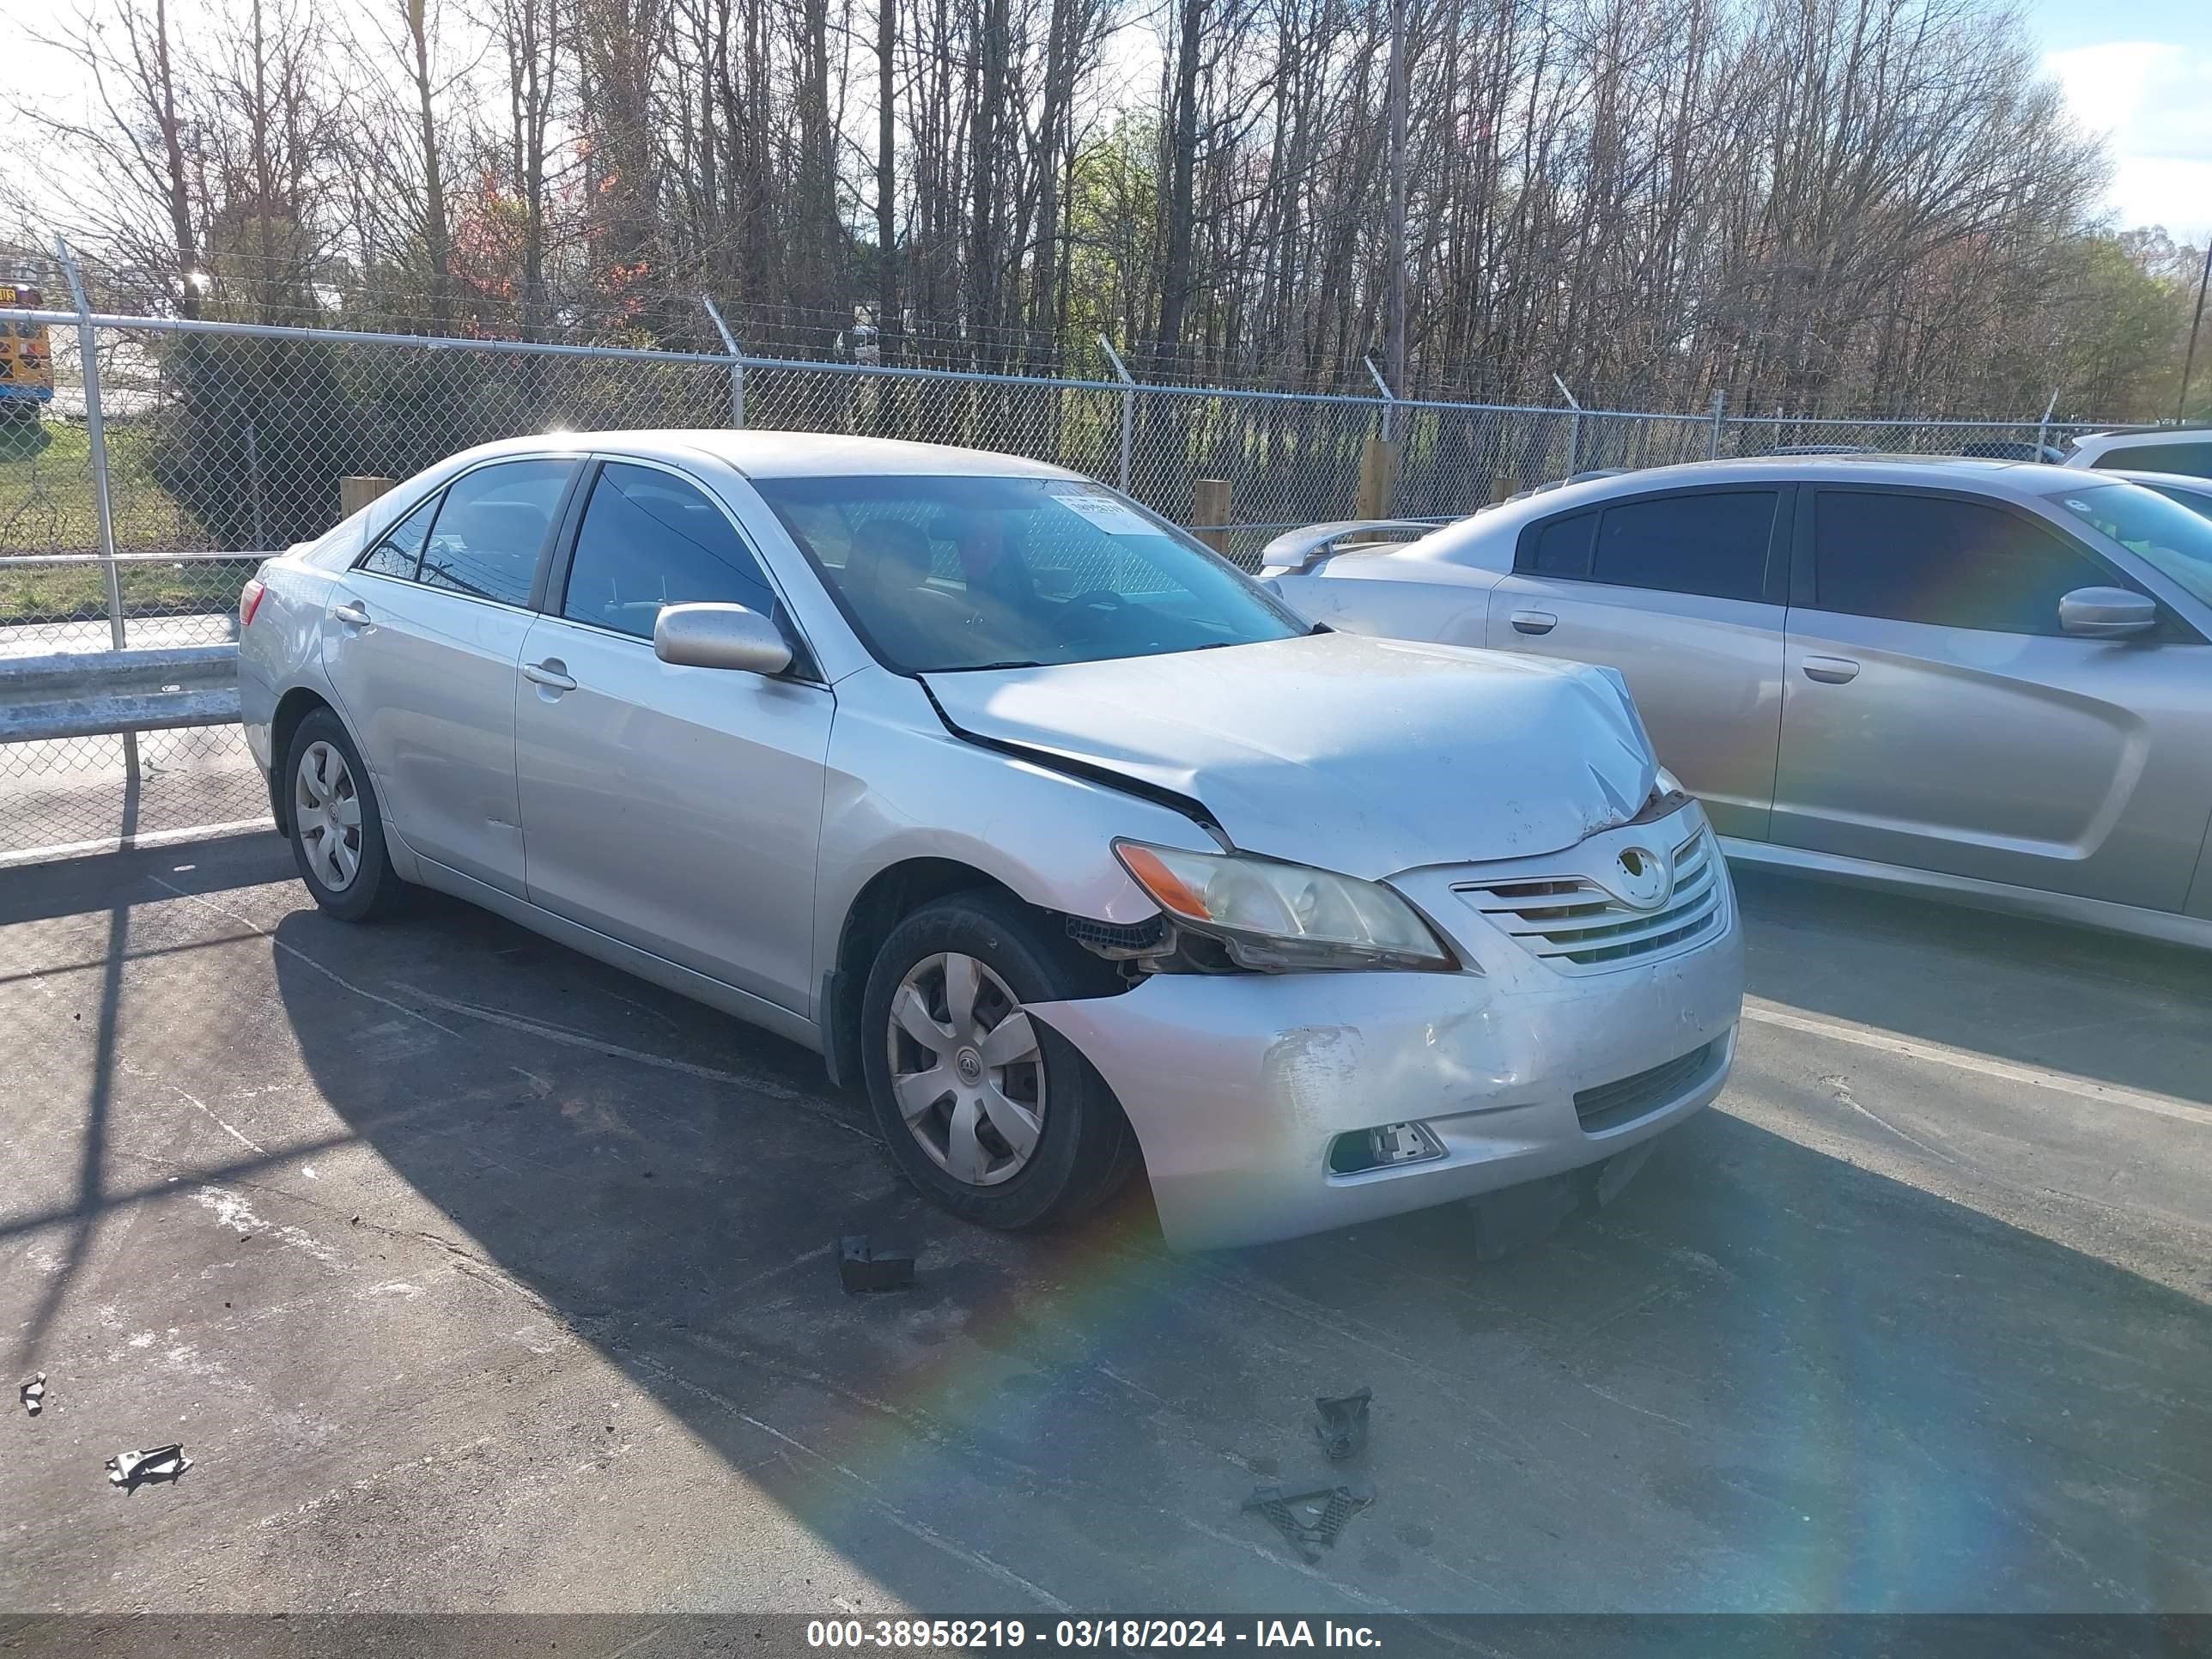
{"x":1831,"y":671}
{"x":1534,"y":621}
{"x":351,"y":613}
{"x":551,"y":673}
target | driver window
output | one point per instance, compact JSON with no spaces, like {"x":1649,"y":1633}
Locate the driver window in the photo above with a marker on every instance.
{"x":1941,"y":560}
{"x":648,"y":539}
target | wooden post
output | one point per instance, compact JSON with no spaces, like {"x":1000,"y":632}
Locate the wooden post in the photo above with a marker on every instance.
{"x":1504,"y":486}
{"x":1378,"y":476}
{"x":354,"y":494}
{"x":1209,"y":505}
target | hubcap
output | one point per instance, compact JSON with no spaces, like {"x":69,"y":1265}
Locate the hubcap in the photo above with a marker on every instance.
{"x":966,"y":1070}
{"x":326,"y":816}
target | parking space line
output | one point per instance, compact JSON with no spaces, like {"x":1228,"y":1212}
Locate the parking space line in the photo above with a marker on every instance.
{"x":574,"y":1039}
{"x":132,"y":843}
{"x":1766,"y":1014}
{"x":293,"y":951}
{"x":871,"y":1492}
{"x":228,"y":1128}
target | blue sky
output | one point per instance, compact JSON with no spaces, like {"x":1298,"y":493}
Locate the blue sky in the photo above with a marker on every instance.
{"x":2141,"y":72}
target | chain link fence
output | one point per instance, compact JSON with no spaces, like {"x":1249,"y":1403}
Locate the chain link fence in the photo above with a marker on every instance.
{"x":218,"y":443}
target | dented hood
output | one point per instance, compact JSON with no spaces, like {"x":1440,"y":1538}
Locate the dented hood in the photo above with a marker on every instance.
{"x":1360,"y":755}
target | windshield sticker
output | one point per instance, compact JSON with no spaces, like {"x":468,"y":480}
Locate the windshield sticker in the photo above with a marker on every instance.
{"x":1109,"y":515}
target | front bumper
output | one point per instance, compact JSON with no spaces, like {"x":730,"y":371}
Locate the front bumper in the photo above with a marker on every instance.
{"x":1237,"y":1086}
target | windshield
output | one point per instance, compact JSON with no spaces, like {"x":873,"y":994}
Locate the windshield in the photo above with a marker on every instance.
{"x":2198,"y":502}
{"x":939,"y":573}
{"x":2163,"y":533}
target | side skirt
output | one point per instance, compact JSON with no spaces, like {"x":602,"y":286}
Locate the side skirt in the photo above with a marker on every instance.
{"x":2167,"y":925}
{"x":684,"y":981}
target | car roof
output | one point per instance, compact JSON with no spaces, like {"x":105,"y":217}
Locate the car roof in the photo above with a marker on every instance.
{"x":2137,"y":437}
{"x":785,"y":454}
{"x":1996,"y":474}
{"x":2014,"y":480}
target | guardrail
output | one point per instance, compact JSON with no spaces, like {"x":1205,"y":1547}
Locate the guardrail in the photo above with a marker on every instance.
{"x":82,"y":693}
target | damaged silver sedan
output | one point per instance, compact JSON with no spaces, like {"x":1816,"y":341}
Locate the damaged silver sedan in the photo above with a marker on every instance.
{"x":1071,"y":844}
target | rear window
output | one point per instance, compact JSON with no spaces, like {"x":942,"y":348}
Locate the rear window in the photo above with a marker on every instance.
{"x":1714,"y":543}
{"x":1711,"y":541}
{"x":1562,"y":548}
{"x":2194,"y":458}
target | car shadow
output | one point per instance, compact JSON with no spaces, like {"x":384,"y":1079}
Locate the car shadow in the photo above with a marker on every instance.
{"x":1764,"y":1379}
{"x":2121,"y":1011}
{"x":101,"y":881}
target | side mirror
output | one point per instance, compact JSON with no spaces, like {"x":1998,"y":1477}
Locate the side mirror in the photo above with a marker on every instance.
{"x":720,"y":636}
{"x":2106,"y":613}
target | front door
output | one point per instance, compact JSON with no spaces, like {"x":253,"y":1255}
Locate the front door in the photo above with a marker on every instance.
{"x":1937,"y":717}
{"x":676,"y":809}
{"x":1672,"y":589}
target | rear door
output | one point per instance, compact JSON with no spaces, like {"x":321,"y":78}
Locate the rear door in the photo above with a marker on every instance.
{"x":421,"y":642}
{"x":676,"y":809}
{"x":1681,"y":591}
{"x":1937,"y":717}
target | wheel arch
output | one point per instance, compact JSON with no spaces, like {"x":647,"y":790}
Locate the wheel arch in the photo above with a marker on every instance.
{"x":886,"y":899}
{"x":294,"y":706}
{"x":889,"y":897}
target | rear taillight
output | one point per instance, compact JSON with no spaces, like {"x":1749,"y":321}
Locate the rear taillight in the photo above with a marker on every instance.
{"x":249,"y":601}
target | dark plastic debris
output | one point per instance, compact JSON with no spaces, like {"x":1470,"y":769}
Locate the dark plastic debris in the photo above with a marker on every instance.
{"x":34,"y":1395}
{"x":862,"y":1269}
{"x":1341,"y":1425}
{"x":131,"y":1470}
{"x":1608,"y":1178}
{"x":1310,"y":1519}
{"x":1516,"y":1218}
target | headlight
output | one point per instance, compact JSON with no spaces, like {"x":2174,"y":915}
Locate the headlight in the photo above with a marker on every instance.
{"x":1271,"y":914}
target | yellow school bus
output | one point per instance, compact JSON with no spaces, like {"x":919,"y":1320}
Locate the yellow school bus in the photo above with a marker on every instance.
{"x":27,"y":361}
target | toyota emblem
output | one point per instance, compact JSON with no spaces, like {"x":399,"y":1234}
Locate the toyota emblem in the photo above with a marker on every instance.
{"x":1643,"y":878}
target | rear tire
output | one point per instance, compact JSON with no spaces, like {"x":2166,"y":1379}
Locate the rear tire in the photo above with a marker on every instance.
{"x":337,"y":829}
{"x":996,"y":1118}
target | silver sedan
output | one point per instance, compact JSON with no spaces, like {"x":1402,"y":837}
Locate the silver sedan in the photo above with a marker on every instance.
{"x":1983,"y":679}
{"x":1072,"y":843}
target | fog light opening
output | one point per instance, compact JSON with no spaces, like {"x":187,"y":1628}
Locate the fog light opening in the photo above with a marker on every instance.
{"x":1384,"y":1148}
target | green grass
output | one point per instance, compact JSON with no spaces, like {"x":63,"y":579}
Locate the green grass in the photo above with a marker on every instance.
{"x":47,"y":506}
{"x":46,"y":503}
{"x":48,"y":593}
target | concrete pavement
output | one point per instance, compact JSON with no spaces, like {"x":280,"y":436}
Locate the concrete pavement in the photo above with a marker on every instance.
{"x":477,"y":1276}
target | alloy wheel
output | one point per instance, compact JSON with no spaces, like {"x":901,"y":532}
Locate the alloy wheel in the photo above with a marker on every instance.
{"x":326,"y":814}
{"x":966,"y":1070}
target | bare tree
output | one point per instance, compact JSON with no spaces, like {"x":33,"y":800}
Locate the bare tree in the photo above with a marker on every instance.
{"x":1809,"y":205}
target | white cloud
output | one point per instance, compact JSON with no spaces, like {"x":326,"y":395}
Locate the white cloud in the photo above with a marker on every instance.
{"x":2153,"y":101}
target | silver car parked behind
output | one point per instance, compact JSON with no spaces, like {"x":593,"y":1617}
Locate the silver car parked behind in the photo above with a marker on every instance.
{"x":1071,"y":842}
{"x":1987,"y":679}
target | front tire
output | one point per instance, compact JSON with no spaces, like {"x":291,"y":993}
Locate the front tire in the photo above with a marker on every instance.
{"x":991,"y":1114}
{"x":337,"y":829}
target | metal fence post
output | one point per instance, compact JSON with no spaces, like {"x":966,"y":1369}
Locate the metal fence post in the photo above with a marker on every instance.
{"x":96,"y":438}
{"x":1720,"y":408}
{"x":1389,"y":401}
{"x":2043,"y":427}
{"x":1128,"y":406}
{"x":736,"y":366}
{"x":1574,"y":428}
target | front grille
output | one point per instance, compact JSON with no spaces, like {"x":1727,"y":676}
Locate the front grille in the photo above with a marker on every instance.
{"x":1578,"y":926}
{"x":1609,"y":1105}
